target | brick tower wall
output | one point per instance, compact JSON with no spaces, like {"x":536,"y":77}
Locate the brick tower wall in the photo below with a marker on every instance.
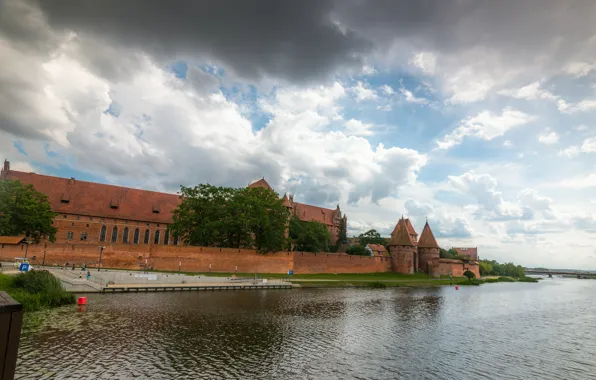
{"x":424,"y":256}
{"x":402,"y":259}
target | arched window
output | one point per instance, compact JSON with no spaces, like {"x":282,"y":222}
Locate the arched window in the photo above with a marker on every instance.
{"x":136,"y":237}
{"x":102,"y":234}
{"x":175,"y":239}
{"x":156,"y":239}
{"x":70,"y":235}
{"x":114,"y":234}
{"x":146,"y":237}
{"x":125,"y":236}
{"x":166,"y":238}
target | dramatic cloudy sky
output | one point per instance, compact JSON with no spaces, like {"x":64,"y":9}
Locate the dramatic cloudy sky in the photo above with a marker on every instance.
{"x":479,"y":115}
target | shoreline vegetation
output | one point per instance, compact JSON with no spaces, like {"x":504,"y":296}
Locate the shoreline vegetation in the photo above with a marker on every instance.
{"x":372,"y":280}
{"x":36,"y":290}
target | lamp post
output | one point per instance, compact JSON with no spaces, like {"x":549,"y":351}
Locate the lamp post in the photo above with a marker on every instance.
{"x":100,"y":253}
{"x":26,"y":248}
{"x":43,"y":261}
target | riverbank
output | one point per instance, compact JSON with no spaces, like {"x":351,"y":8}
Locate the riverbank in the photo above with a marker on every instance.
{"x":36,"y":290}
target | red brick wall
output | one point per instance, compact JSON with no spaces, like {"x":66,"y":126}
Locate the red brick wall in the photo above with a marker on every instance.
{"x":311,"y":263}
{"x":458,"y":269}
{"x":197,"y":259}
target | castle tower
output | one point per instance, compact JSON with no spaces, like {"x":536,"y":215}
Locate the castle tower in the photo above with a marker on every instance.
{"x":402,"y":249}
{"x":428,"y":250}
{"x":5,"y":170}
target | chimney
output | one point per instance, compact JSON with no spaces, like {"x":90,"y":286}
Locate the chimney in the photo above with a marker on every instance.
{"x":71,"y":182}
{"x":5,"y":169}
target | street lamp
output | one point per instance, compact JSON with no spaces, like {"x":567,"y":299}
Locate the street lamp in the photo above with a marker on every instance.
{"x":27,"y":248}
{"x":100,"y":253}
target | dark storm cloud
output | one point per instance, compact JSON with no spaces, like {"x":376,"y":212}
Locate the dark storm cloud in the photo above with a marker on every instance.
{"x":294,"y":40}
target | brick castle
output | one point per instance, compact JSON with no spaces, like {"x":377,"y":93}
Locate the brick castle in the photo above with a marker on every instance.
{"x":132,"y":223}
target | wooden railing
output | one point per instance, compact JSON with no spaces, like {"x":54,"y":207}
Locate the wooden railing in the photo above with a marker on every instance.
{"x":11,"y":317}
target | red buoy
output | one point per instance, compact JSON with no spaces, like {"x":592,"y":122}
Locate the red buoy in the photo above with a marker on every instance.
{"x":456,"y":287}
{"x":82,"y":301}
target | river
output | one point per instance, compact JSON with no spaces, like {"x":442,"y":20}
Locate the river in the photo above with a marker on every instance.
{"x":494,"y":331}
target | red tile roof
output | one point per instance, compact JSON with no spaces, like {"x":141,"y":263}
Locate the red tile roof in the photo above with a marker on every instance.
{"x":427,"y":239}
{"x":261,"y":183}
{"x":471,"y":253}
{"x":401,"y":237}
{"x":320,"y":214}
{"x":409,"y":227}
{"x":378,"y":249}
{"x":100,"y":200}
{"x":11,"y":239}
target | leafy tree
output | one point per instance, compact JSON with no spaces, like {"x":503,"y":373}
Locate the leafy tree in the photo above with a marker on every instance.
{"x":486,"y":268}
{"x":310,"y":236}
{"x":358,"y":250}
{"x":23,"y":210}
{"x":469,"y":274}
{"x":450,"y":254}
{"x":342,"y":237}
{"x":266,"y":218}
{"x":227,"y":217}
{"x":370,"y":237}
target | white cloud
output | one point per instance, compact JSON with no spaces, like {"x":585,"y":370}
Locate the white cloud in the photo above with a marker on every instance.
{"x":529,"y":92}
{"x":582,"y":106}
{"x":410,"y":98}
{"x":580,"y":182}
{"x":579,"y":69}
{"x":386,"y":108}
{"x":507,"y":144}
{"x":483,"y":188}
{"x":357,"y":128}
{"x":588,"y":146}
{"x":548,"y":137}
{"x":425,"y":61}
{"x":387,"y":90}
{"x":486,"y":126}
{"x":368,"y":70}
{"x":362,"y":92}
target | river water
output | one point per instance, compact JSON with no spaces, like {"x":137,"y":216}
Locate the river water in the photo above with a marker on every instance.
{"x":494,"y":331}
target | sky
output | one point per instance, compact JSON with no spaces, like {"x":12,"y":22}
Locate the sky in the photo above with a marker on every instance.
{"x":475,"y":115}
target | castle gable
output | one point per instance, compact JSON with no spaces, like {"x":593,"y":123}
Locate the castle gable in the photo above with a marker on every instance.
{"x":261,"y":183}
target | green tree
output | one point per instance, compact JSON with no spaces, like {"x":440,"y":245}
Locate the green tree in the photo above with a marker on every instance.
{"x":469,"y":274}
{"x":25,"y":211}
{"x":227,"y":217}
{"x":358,"y":250}
{"x":310,"y":236}
{"x":486,"y":268}
{"x":342,"y":236}
{"x":370,"y":237}
{"x":450,"y":254}
{"x":266,"y":218}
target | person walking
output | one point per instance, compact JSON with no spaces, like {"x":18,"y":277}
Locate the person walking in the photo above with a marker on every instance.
{"x":88,"y":275}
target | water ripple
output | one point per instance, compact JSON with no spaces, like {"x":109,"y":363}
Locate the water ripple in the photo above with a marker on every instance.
{"x":497,"y":331}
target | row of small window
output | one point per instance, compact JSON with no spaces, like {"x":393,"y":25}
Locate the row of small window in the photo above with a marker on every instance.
{"x":103,"y":220}
{"x":126,"y":235}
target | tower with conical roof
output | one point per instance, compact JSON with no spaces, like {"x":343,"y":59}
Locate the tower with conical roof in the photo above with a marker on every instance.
{"x":402,"y":249}
{"x":428,"y":250}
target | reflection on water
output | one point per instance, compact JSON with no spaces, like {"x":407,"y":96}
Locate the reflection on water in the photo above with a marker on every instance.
{"x":496,"y":331}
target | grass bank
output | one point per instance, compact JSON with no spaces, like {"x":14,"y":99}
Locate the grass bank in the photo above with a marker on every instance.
{"x":36,"y":290}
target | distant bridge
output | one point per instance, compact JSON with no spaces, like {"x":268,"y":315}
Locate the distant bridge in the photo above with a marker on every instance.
{"x":559,"y":273}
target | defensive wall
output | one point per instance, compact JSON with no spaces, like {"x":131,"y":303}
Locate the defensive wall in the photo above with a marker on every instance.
{"x":197,"y":259}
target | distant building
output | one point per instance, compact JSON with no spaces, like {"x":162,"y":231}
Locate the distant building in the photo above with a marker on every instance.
{"x":377,"y":250}
{"x":96,"y":213}
{"x":470,"y":253}
{"x":410,"y":255}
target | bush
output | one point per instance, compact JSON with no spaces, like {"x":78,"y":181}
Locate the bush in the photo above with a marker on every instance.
{"x":36,"y":290}
{"x":377,"y":285}
{"x":358,"y":250}
{"x":506,"y":279}
{"x":471,"y":281}
{"x":469,"y":274}
{"x":527,"y":279}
